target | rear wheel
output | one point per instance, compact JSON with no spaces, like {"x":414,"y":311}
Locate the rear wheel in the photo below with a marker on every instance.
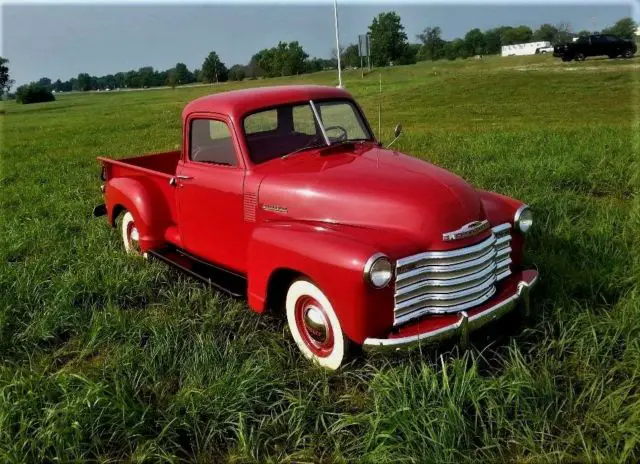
{"x":131,"y":235}
{"x":628,"y":53}
{"x":580,"y":57}
{"x":314,"y":325}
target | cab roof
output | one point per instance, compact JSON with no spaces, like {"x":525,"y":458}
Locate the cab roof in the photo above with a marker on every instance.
{"x":237,"y":103}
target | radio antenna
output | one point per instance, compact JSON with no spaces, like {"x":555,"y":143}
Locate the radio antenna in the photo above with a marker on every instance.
{"x":335,"y":20}
{"x":380,"y":108}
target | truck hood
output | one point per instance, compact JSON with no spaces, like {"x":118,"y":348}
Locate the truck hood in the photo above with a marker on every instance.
{"x":369,"y":187}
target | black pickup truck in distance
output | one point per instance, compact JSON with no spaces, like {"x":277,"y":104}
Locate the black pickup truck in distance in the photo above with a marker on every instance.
{"x":595,"y":45}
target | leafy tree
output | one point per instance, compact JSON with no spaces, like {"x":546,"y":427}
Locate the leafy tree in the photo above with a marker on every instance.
{"x":282,"y":60}
{"x":388,"y":39}
{"x":132,"y":80}
{"x":172,"y":78}
{"x":5,"y":81}
{"x":183,"y":75}
{"x":564,"y":32}
{"x":546,"y":32}
{"x":584,"y":33}
{"x":455,"y":49}
{"x":213,"y":70}
{"x":84,"y":82}
{"x":237,"y":72}
{"x":492,"y":41}
{"x":516,"y":35}
{"x":314,"y":65}
{"x":413,"y":51}
{"x":351,"y":56}
{"x":292,"y":56}
{"x":432,"y":44}
{"x":45,"y":82}
{"x":34,"y":93}
{"x":474,"y":42}
{"x":624,"y":28}
{"x":146,"y":76}
{"x":253,"y":70}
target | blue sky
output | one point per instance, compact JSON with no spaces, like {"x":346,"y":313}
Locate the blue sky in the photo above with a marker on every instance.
{"x":60,"y":41}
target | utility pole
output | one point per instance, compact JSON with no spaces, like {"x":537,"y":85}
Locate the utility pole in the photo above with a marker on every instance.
{"x":335,"y":19}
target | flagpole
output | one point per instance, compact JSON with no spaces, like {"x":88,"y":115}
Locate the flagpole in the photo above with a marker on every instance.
{"x":335,"y":19}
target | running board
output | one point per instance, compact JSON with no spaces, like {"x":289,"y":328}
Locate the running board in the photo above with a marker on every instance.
{"x":214,"y":276}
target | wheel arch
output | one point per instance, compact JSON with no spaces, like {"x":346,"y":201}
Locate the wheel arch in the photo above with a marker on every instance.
{"x":146,"y":204}
{"x":117,"y":210}
{"x":333,"y":261}
{"x":279,"y":282}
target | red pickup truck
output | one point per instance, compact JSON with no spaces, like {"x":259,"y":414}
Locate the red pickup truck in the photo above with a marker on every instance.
{"x":283,"y":195}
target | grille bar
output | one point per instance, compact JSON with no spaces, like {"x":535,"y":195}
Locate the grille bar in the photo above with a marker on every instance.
{"x":440,"y":282}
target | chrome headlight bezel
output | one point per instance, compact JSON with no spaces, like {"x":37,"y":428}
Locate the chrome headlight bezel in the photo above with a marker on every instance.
{"x":523,"y":219}
{"x":378,"y":271}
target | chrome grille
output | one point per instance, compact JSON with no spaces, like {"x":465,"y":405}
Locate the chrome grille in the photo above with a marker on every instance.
{"x":439,"y":282}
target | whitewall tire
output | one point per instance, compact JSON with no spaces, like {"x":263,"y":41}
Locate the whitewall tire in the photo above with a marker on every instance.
{"x":131,"y":235}
{"x":314,"y":325}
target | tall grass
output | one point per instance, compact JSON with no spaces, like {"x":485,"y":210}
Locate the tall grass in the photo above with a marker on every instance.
{"x":105,"y":357}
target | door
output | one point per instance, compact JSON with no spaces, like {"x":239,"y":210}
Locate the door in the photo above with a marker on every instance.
{"x":209,"y":184}
{"x":598,"y":46}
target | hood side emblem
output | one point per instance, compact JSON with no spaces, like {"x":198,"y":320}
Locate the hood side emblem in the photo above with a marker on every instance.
{"x":467,"y":230}
{"x":275,"y":208}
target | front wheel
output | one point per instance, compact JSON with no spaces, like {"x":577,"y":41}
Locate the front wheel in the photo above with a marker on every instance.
{"x":314,"y":325}
{"x":580,"y":57}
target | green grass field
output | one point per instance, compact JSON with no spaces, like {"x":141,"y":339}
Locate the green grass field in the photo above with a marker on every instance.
{"x":109,"y":358}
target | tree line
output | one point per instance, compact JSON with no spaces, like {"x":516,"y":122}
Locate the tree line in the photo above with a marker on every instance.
{"x":388,"y":42}
{"x":284,"y":59}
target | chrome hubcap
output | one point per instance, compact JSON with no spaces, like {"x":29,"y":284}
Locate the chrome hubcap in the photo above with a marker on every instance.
{"x":316,"y":324}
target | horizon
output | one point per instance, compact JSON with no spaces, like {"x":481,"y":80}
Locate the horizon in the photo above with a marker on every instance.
{"x":106,"y":39}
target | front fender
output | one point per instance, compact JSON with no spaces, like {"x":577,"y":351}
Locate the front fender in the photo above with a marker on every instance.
{"x":333,"y":260}
{"x":145,"y":202}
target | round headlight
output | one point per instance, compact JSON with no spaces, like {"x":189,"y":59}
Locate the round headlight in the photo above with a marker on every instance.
{"x":378,"y":270}
{"x":523,"y":219}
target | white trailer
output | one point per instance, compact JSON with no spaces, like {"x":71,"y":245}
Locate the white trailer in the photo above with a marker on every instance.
{"x":531,"y":48}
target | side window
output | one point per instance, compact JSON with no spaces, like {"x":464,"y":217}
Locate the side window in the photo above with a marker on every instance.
{"x":264,"y":121}
{"x":211,"y":142}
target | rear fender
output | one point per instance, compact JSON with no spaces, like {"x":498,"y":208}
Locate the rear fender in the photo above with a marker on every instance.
{"x":146,"y":203}
{"x":333,"y":261}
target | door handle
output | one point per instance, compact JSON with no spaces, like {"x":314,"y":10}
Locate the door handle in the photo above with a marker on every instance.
{"x":184,"y":177}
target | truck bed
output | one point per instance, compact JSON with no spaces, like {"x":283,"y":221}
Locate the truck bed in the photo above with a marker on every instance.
{"x":155,"y":163}
{"x":154,"y":170}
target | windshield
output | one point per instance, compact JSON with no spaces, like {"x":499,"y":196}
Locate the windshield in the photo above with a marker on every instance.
{"x":275,"y":132}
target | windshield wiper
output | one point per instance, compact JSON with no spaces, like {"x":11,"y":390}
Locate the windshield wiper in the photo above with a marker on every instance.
{"x":344,"y":142}
{"x":310,"y":147}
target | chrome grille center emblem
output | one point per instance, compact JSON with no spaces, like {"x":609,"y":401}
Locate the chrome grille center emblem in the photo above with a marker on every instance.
{"x":467,"y":230}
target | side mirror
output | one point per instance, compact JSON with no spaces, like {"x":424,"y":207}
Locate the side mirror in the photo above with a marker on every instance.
{"x":397,"y":131}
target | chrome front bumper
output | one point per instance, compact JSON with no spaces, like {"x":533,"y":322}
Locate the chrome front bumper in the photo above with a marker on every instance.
{"x":464,"y":325}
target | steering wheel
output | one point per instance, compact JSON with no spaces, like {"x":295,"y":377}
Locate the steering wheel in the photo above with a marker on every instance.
{"x":341,"y":137}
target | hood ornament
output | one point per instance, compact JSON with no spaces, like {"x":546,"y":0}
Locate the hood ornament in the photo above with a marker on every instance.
{"x":467,"y":230}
